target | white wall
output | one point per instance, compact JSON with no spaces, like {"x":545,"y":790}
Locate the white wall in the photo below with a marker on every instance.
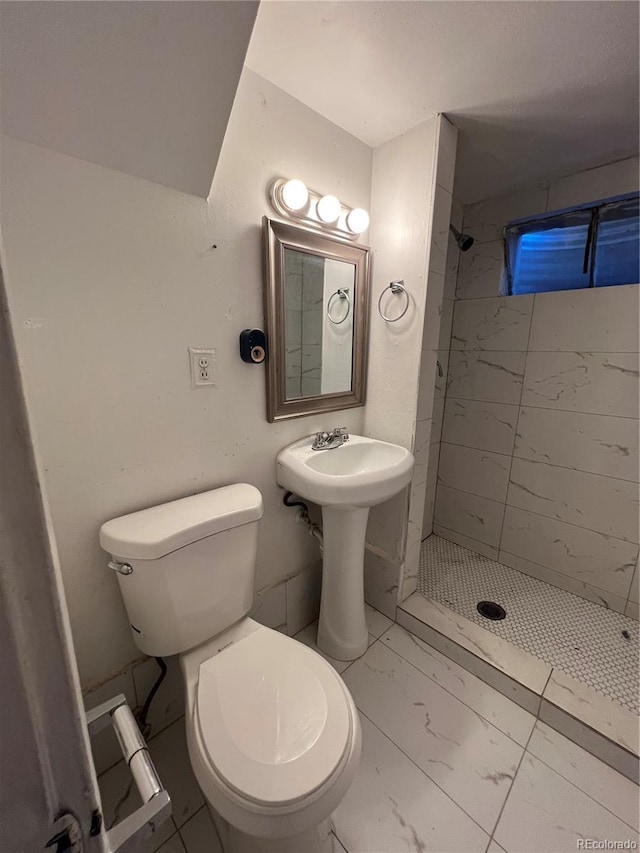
{"x":145,"y":88}
{"x":401,"y":206}
{"x":539,"y":457}
{"x":110,"y":279}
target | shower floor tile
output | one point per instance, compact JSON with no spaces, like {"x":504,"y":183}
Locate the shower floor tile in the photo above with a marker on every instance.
{"x":590,"y":643}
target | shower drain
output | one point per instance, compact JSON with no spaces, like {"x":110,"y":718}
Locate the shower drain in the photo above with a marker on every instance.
{"x":491,"y":610}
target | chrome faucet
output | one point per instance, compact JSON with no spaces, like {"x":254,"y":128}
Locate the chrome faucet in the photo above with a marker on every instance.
{"x":330,"y":440}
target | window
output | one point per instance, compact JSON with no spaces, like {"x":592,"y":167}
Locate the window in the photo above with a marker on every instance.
{"x":595,"y":245}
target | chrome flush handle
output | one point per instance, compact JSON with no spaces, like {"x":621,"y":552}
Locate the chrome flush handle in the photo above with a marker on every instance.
{"x":121,"y":568}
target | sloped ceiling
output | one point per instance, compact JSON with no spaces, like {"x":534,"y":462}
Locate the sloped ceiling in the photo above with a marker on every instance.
{"x":143,"y":87}
{"x":538,"y":89}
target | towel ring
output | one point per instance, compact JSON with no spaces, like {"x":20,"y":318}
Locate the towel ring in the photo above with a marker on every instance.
{"x":342,"y":293}
{"x":394,"y":287}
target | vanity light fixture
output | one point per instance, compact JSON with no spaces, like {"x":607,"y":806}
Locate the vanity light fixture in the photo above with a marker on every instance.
{"x":291,"y":198}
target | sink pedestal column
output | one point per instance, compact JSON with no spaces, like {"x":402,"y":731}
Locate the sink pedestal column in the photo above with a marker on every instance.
{"x":342,"y":629}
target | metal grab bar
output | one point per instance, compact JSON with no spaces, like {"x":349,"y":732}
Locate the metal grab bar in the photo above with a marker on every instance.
{"x":343,"y":293}
{"x":129,"y":835}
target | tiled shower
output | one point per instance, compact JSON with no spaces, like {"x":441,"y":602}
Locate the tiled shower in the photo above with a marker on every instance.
{"x":532,"y":488}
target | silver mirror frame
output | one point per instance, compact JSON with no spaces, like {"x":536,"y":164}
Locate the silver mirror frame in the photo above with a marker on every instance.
{"x":279,"y":236}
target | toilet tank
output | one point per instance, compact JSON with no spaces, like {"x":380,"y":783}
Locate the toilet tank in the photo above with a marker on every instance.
{"x":193,"y":563}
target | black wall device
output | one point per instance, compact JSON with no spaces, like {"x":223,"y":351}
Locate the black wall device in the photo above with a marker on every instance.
{"x":253,"y":346}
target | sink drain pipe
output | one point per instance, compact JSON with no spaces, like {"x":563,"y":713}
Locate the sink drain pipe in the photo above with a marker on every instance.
{"x":303,"y":517}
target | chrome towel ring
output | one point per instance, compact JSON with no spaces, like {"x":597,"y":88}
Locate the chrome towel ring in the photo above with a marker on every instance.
{"x":341,"y":293}
{"x":395,"y":287}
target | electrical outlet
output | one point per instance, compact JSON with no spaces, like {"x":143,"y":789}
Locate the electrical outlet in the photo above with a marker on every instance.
{"x":203,"y":367}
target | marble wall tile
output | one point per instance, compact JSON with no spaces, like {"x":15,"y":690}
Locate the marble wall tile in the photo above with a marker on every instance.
{"x":476,"y":517}
{"x":169,"y":702}
{"x":441,"y":373}
{"x":486,"y":219}
{"x":501,"y":712}
{"x":595,"y":443}
{"x":544,"y":806}
{"x":591,"y":557}
{"x":451,"y":272}
{"x":433,"y":310}
{"x":472,"y":544}
{"x":432,"y":466}
{"x":571,"y":584}
{"x":494,"y":377}
{"x":440,"y":230}
{"x":446,"y":324}
{"x":599,"y":319}
{"x":425,"y":721}
{"x":501,"y":323}
{"x":303,"y":598}
{"x":585,"y":771}
{"x":486,"y":426}
{"x":426,"y":391}
{"x":429,"y":506}
{"x":600,"y":383}
{"x":457,"y":214}
{"x":393,"y":806}
{"x":386,"y":526}
{"x":422,"y":439}
{"x":270,"y":607}
{"x":602,"y":182}
{"x":479,"y":271}
{"x":477,"y":471}
{"x":411,"y":565}
{"x":381,"y":583}
{"x":436,"y":419}
{"x":598,"y":503}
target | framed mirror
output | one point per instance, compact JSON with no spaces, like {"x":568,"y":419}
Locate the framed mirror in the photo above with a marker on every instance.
{"x":317,"y":309}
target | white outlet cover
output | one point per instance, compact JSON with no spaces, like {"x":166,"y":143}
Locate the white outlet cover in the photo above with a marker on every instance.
{"x":202,"y":362}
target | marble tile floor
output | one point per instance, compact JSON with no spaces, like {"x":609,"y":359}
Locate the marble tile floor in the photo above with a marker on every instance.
{"x":596,"y":646}
{"x":448,"y":764}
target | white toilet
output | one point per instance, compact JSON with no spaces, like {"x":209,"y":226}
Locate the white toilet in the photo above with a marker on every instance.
{"x":273,"y":734}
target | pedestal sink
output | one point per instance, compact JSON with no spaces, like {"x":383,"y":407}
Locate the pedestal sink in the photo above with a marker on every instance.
{"x":345,"y":481}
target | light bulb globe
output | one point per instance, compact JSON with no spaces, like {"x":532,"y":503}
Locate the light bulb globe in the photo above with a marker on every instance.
{"x":295,"y":195}
{"x":357,"y":220}
{"x":328,"y":208}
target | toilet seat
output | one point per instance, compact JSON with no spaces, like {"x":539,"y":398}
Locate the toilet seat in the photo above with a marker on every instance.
{"x":273,"y":718}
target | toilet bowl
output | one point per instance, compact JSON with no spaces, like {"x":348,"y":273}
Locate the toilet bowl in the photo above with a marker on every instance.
{"x":272,"y":731}
{"x":273,"y":736}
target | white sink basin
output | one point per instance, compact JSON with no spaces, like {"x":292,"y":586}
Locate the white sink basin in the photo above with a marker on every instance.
{"x":361,"y":473}
{"x":345,"y":481}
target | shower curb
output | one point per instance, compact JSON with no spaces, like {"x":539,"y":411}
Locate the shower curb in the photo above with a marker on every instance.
{"x":602,"y":727}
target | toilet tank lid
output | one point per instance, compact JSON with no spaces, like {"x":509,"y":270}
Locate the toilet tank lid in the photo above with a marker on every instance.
{"x":152,"y":533}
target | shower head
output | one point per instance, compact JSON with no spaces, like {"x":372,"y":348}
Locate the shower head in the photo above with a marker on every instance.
{"x":464,"y":241}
